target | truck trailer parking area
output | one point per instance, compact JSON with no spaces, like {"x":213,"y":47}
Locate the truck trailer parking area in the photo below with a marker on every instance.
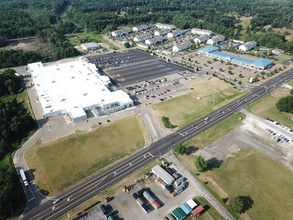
{"x":134,"y":66}
{"x":136,"y":204}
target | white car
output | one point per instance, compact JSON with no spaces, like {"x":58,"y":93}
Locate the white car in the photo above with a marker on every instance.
{"x":56,"y":201}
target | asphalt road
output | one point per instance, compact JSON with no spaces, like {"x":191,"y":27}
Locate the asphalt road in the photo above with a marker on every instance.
{"x":85,"y":191}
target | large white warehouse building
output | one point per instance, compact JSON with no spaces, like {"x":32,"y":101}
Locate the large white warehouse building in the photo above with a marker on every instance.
{"x":75,"y":87}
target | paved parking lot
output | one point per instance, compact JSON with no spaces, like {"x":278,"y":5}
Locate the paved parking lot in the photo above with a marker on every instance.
{"x":162,"y":88}
{"x":143,"y":71}
{"x":134,"y":66}
{"x":118,"y":59}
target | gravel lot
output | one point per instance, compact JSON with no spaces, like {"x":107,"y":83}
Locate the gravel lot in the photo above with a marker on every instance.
{"x":124,"y":206}
{"x":252,"y":133}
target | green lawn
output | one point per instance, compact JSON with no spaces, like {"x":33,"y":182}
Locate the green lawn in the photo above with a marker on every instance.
{"x":209,"y":214}
{"x":93,"y":37}
{"x":61,"y":164}
{"x":266,"y":181}
{"x":188,"y":108}
{"x":266,"y":107}
{"x":217,"y":131}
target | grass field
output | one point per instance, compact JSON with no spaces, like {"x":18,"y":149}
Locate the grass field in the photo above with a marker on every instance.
{"x":266,"y":181}
{"x":250,"y":173}
{"x":266,"y":107}
{"x":75,"y":39}
{"x":110,"y":191}
{"x":209,"y":214}
{"x":217,"y":131}
{"x":185,"y":109}
{"x":63,"y":163}
{"x":209,"y":136}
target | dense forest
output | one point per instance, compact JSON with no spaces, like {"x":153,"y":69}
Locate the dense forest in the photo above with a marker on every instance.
{"x":50,"y":20}
{"x":15,"y":124}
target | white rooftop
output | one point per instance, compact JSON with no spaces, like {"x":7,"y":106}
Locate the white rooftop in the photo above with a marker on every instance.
{"x":72,"y":87}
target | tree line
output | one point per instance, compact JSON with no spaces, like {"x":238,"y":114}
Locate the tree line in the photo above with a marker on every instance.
{"x":31,"y":18}
{"x":15,"y":124}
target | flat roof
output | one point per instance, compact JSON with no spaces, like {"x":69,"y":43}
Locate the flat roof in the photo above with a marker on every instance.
{"x":64,"y":87}
{"x":90,"y":45}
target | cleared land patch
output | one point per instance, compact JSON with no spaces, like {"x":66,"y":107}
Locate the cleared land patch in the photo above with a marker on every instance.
{"x":63,"y":163}
{"x":207,"y":96}
{"x":266,"y":107}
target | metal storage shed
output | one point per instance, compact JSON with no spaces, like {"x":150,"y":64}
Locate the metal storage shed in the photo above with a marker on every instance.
{"x":178,"y":213}
{"x":191,"y":203}
{"x":186,"y":208}
{"x":198,"y":210}
{"x":163,"y":174}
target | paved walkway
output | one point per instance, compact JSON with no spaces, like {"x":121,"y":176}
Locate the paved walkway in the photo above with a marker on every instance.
{"x":205,"y":193}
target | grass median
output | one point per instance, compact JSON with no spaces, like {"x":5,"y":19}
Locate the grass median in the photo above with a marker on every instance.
{"x":63,"y":163}
{"x":207,"y":96}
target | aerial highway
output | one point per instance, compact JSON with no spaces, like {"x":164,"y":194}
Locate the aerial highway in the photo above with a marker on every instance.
{"x":83,"y":192}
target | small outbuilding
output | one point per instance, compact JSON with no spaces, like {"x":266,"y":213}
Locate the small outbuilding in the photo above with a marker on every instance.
{"x":197,"y":210}
{"x":90,"y":46}
{"x":163,"y":174}
{"x":191,"y":203}
{"x":178,"y":213}
{"x":186,"y":208}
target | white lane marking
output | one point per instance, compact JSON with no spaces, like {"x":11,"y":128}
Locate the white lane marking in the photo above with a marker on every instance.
{"x":148,"y":117}
{"x":31,"y":199}
{"x":181,"y":134}
{"x":150,"y":154}
{"x":89,"y":193}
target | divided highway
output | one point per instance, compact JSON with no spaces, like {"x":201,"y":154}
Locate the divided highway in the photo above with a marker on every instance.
{"x":108,"y":177}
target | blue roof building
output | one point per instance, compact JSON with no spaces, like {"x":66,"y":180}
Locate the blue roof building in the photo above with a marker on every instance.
{"x":222,"y":55}
{"x":186,"y":208}
{"x":243,"y":60}
{"x":262,"y":63}
{"x":208,"y":49}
